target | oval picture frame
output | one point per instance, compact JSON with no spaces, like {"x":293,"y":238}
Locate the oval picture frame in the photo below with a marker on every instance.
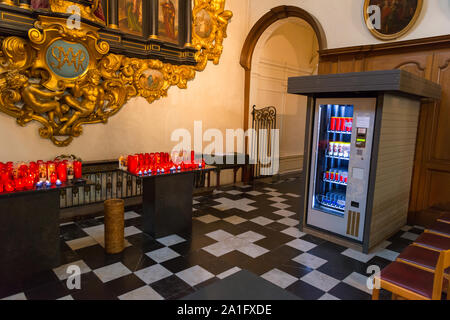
{"x":390,"y":36}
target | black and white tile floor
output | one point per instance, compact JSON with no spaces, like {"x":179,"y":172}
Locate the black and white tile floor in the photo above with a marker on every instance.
{"x":242,"y":227}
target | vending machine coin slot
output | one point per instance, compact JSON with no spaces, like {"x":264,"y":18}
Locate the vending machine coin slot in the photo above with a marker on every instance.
{"x":361,"y":137}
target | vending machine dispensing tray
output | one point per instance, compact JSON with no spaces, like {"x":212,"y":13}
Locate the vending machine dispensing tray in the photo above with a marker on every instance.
{"x":360,"y":138}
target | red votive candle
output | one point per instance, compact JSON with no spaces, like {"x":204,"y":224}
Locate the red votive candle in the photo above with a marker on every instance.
{"x":18,"y":183}
{"x":53,"y":178}
{"x":62,"y":172}
{"x":77,"y":170}
{"x":9,"y":186}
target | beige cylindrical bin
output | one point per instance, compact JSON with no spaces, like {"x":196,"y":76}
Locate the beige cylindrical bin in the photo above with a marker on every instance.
{"x":114,"y":226}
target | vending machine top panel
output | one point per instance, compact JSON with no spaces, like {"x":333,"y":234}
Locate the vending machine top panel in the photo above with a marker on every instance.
{"x":365,"y":82}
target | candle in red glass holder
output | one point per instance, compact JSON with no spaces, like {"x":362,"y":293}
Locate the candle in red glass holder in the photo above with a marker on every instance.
{"x":18,"y":183}
{"x":132,"y":164}
{"x":62,"y":171}
{"x":1,"y":187}
{"x":192,"y":156}
{"x":77,"y":169}
{"x":29,"y":182}
{"x":42,"y":172}
{"x":4,"y":176}
{"x":51,"y":168}
{"x":9,"y":186}
{"x":70,"y":170}
{"x":53,"y":178}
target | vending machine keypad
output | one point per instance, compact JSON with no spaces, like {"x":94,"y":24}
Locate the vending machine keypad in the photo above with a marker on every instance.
{"x":361,"y":137}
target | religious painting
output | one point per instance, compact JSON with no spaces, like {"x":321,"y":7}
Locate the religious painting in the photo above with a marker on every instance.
{"x":203,"y":24}
{"x":130,"y":16}
{"x":168,"y":15}
{"x":390,"y":19}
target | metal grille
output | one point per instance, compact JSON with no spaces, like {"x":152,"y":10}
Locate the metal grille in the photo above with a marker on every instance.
{"x":109,"y":184}
{"x":264,"y":121}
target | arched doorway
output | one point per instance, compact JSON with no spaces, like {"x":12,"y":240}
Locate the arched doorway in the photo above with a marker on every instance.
{"x":283,"y":43}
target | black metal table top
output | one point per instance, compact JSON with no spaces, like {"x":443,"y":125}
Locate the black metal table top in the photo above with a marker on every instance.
{"x":177,"y":172}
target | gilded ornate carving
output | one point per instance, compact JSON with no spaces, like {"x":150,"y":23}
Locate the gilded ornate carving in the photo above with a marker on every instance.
{"x":210,"y":22}
{"x":65,"y":78}
{"x":87,"y":12}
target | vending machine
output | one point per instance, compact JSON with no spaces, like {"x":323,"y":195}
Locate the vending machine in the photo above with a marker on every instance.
{"x":359,"y":153}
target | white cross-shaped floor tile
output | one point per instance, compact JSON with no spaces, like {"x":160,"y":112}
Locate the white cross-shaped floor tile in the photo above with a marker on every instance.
{"x":241,"y":204}
{"x":243,"y":243}
{"x":277,"y":199}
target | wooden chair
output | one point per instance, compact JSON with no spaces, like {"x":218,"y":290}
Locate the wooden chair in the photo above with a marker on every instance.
{"x":413,"y":283}
{"x":425,"y":259}
{"x":439,"y":228}
{"x":445,"y":218}
{"x":433,"y":242}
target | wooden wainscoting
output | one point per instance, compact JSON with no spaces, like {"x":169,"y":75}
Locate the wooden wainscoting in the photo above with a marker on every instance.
{"x":429,"y":58}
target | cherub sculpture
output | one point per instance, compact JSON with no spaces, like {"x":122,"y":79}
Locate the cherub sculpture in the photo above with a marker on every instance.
{"x":92,"y":101}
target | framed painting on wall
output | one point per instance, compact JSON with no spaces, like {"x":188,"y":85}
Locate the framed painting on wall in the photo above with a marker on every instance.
{"x":168,"y":20}
{"x":130,"y":16}
{"x":395,"y":17}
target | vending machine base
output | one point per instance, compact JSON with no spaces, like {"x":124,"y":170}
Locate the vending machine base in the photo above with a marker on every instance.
{"x":361,"y":131}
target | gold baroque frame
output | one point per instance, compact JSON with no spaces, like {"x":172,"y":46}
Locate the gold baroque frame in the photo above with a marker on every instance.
{"x":31,"y":91}
{"x":394,"y":36}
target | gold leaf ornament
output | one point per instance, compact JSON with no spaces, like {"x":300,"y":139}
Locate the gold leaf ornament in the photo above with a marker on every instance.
{"x":66,"y":78}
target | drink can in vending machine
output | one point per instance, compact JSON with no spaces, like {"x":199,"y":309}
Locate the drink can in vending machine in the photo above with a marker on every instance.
{"x":346,"y":149}
{"x":345,"y":177}
{"x":331,"y":148}
{"x":332,"y":174}
{"x":342,"y":125}
{"x":341,"y":149}
{"x":333,"y":124}
{"x":336,"y":149}
{"x":348,"y":124}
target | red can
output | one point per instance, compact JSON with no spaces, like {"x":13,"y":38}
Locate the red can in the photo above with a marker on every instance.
{"x":349,"y":126}
{"x":332,"y":174}
{"x":333,"y":124}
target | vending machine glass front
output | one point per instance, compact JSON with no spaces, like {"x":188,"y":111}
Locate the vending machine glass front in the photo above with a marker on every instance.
{"x":333,"y":158}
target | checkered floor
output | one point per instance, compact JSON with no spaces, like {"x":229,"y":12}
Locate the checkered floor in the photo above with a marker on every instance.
{"x":242,"y":227}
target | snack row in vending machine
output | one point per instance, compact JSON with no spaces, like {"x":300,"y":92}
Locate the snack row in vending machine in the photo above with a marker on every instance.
{"x":339,"y":149}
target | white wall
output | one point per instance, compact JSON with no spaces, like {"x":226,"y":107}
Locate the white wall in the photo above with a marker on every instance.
{"x":343,"y":23}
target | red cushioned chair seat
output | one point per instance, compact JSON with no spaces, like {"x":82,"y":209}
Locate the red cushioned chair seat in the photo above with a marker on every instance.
{"x":440,"y":227}
{"x":434,"y":241}
{"x":409,"y":278}
{"x":445,"y":217}
{"x":420,"y":256}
